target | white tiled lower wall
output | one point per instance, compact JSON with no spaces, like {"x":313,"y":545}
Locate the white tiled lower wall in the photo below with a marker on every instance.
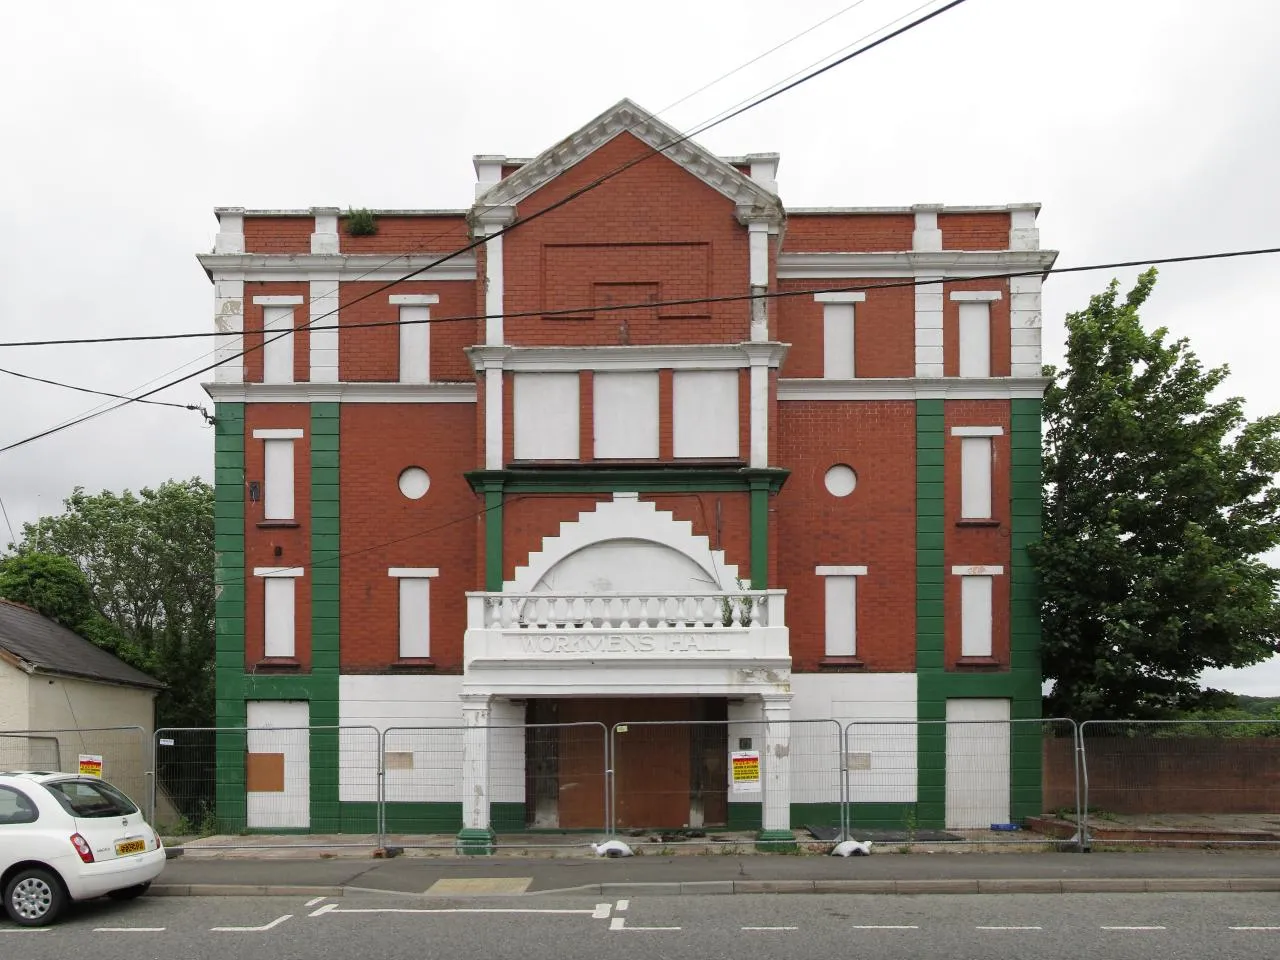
{"x":424,"y":745}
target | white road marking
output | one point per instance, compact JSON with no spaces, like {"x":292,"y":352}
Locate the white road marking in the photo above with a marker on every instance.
{"x":128,"y":929}
{"x":1008,"y":928}
{"x":24,"y":929}
{"x":620,"y":923}
{"x":313,"y":901}
{"x":334,"y":908}
{"x":327,"y":908}
{"x":266,"y":926}
{"x":601,"y":912}
{"x":1271,"y":929}
{"x":770,"y":928}
{"x":1132,"y":928}
{"x":622,"y":905}
{"x":882,"y":927}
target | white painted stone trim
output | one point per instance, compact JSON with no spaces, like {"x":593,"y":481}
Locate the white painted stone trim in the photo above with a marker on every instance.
{"x":291,"y":301}
{"x":977,"y":431}
{"x":281,"y":267}
{"x":977,"y":571}
{"x":415,"y":572}
{"x":638,"y":358}
{"x":278,"y":571}
{"x":952,"y":264}
{"x":975,"y":296}
{"x":1025,"y":326}
{"x":840,"y":571}
{"x":278,"y":434}
{"x":928,"y":327}
{"x":914,"y":388}
{"x":927,"y":236}
{"x":342,"y":392}
{"x":626,"y":117}
{"x":625,"y":517}
{"x":230,"y":238}
{"x":841,"y":296}
{"x":323,"y":317}
{"x":325,"y":238}
{"x":228,"y":322}
{"x":413,"y":299}
{"x":493,"y":415}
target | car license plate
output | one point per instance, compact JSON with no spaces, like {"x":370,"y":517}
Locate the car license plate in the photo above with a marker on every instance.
{"x":126,"y":847}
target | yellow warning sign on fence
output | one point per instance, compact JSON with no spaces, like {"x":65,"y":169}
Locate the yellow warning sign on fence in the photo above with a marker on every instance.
{"x":744,"y":766}
{"x":90,"y":765}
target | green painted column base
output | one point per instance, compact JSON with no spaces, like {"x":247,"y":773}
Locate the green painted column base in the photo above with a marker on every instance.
{"x":776,"y":841}
{"x":476,"y":842}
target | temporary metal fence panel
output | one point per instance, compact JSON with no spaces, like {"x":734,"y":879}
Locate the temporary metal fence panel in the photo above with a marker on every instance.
{"x":120,"y":755}
{"x":29,"y":751}
{"x":1181,"y":781}
{"x":961,"y":780}
{"x":540,"y":777}
{"x":244,"y":783}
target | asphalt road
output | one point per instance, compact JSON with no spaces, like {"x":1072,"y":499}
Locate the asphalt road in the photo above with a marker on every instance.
{"x":1239,"y":926}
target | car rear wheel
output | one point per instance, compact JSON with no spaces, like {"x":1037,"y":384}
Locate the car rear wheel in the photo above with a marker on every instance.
{"x":130,"y":893}
{"x":33,"y":897}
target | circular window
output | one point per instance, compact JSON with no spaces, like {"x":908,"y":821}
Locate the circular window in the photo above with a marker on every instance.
{"x":414,"y":483}
{"x":841,"y":480}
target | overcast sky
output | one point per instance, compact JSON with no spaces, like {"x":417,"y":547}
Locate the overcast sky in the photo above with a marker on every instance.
{"x":1146,"y":128}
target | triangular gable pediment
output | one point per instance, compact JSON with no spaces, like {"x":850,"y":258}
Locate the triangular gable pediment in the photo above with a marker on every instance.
{"x":626,"y":117}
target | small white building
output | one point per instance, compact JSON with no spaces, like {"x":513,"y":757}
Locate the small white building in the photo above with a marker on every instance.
{"x":63,"y":698}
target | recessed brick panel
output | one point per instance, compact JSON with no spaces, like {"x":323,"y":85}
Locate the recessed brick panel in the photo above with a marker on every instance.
{"x":883,"y":329}
{"x":974,"y":231}
{"x":849,"y":232}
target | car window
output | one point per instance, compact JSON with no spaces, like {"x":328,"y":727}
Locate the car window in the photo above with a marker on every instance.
{"x":16,"y":807}
{"x":88,"y":799}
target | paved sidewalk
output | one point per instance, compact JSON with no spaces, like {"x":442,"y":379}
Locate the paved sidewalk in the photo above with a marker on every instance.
{"x":915,"y":873}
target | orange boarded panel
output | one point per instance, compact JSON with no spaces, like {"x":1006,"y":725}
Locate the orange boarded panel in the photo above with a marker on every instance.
{"x":264,"y":772}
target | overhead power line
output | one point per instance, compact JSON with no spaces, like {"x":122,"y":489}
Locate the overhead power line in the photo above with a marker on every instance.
{"x":102,"y":393}
{"x":677,"y":302}
{"x":519,"y":222}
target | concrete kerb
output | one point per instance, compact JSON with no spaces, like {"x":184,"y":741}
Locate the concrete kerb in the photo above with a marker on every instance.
{"x":755,"y":887}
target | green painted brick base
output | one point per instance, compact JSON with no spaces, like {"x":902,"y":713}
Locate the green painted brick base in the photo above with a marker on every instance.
{"x":474,"y":842}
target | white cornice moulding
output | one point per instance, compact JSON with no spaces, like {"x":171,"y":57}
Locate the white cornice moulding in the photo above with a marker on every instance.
{"x":277,"y":434}
{"x":278,"y":571}
{"x":413,"y":573}
{"x":342,"y":392}
{"x":975,"y":296}
{"x":693,"y":356}
{"x":977,"y":571}
{"x":977,"y":431}
{"x":413,"y":299}
{"x":291,"y":301}
{"x":840,"y":571}
{"x":957,"y":264}
{"x":915,"y":388}
{"x":345,"y":267}
{"x":850,"y":296}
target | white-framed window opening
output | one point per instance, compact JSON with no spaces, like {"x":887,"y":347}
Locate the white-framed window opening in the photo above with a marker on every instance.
{"x":838,"y":336}
{"x":975,"y":470}
{"x":840,"y":585}
{"x":279,"y":620}
{"x":415,"y":610}
{"x":546,"y":416}
{"x":977,"y":586}
{"x":277,"y":338}
{"x":415,"y":335}
{"x":704,"y":413}
{"x":278,"y":472}
{"x":975,"y":339}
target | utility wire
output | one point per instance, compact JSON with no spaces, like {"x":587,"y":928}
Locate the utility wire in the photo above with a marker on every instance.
{"x":13,"y":537}
{"x":520,"y":221}
{"x":101,"y":393}
{"x":721,"y":298}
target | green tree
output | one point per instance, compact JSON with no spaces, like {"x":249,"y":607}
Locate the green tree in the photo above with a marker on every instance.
{"x":147,"y":560}
{"x":1158,"y":505}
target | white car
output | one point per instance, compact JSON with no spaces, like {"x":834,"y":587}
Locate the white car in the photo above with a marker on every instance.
{"x":66,"y":837}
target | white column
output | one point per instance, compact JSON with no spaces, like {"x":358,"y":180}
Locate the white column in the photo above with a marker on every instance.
{"x":760,"y":356}
{"x":927,"y":236}
{"x":475,"y":763}
{"x":228,"y":322}
{"x":325,"y":237}
{"x":929,"y":326}
{"x":758,"y":239}
{"x":1023,"y":234}
{"x":493,"y":290}
{"x":322,"y":313}
{"x":493,"y":417}
{"x":230,"y":237}
{"x":1024,"y":326}
{"x":776,"y":815}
